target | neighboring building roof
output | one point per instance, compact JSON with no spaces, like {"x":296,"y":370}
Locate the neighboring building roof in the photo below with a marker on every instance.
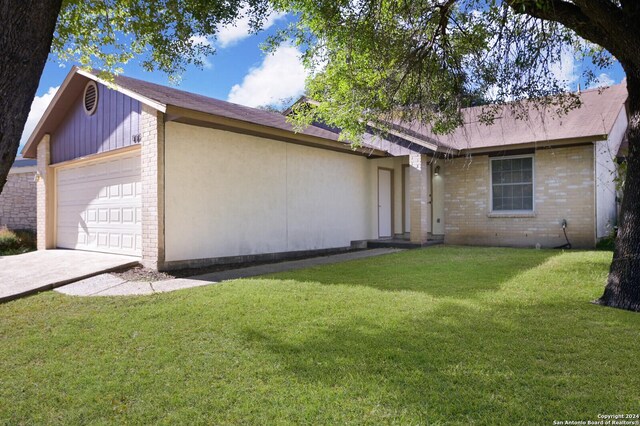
{"x":23,"y":162}
{"x":593,"y":120}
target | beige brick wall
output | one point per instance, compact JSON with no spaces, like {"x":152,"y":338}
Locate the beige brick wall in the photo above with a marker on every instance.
{"x":44,"y":196}
{"x":152,"y":157}
{"x":18,"y":200}
{"x":564,"y":189}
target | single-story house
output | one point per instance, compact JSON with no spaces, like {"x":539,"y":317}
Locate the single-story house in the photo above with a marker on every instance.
{"x":18,"y":196}
{"x":180,"y":179}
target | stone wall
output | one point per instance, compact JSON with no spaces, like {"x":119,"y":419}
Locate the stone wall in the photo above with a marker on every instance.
{"x":564,"y":188}
{"x":18,"y":200}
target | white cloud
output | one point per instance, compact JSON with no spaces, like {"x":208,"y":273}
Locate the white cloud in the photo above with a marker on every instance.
{"x":239,"y":30}
{"x":38,"y":106}
{"x":566,"y":69}
{"x":281,"y":75}
{"x":603,"y":80}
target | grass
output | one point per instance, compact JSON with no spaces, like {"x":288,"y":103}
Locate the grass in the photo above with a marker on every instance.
{"x":444,"y":335}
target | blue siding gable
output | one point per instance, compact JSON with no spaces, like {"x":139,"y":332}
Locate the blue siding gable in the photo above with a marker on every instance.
{"x":114,"y":125}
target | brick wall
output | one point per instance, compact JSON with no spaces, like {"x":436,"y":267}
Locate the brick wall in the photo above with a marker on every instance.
{"x":18,"y":200}
{"x":152,"y":157}
{"x":564,"y":189}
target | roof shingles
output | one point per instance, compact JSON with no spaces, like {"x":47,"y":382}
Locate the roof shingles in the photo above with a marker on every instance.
{"x":593,"y":119}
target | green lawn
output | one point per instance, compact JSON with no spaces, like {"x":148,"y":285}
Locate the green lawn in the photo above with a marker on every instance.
{"x":444,"y":335}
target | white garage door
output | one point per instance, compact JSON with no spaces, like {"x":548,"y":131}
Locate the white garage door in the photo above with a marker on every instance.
{"x":99,"y":206}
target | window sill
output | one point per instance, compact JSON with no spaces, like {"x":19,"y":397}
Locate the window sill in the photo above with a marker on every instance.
{"x":511,"y":214}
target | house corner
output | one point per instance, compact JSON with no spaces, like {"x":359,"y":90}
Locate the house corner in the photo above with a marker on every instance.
{"x":152,"y":182}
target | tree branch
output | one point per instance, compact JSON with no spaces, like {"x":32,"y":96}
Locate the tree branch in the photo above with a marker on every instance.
{"x":631,"y":7}
{"x":599,"y":21}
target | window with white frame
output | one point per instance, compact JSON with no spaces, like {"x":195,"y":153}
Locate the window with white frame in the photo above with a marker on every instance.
{"x":512,"y":184}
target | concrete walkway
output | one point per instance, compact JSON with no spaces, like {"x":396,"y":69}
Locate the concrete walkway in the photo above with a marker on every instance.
{"x":111,"y":285}
{"x":28,"y":273}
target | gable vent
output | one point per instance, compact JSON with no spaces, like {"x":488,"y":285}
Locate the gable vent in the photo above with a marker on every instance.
{"x":90,"y":98}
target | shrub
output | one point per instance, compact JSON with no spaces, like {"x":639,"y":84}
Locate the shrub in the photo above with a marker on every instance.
{"x":16,"y":241}
{"x":607,"y":244}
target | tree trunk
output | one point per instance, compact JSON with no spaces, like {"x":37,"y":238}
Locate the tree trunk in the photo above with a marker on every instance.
{"x":623,"y":286}
{"x":26,"y":32}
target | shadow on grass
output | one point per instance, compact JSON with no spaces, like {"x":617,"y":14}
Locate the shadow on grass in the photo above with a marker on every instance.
{"x":449,"y":271}
{"x":524,"y":364}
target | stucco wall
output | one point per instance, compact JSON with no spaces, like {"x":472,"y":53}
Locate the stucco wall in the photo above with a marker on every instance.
{"x":229,"y":194}
{"x":605,"y":152}
{"x":18,"y":199}
{"x":563,"y":187}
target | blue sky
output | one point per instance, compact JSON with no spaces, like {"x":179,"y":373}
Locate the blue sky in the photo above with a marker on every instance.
{"x":240,"y":72}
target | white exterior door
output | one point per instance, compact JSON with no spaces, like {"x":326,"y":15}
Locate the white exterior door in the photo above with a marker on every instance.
{"x":384,"y":203}
{"x":99,"y":206}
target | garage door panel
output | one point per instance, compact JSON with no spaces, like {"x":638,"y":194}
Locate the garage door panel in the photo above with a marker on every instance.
{"x":81,"y":194}
{"x":99,"y":206}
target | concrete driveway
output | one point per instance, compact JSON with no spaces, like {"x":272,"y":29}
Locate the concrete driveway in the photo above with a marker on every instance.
{"x":29,"y":273}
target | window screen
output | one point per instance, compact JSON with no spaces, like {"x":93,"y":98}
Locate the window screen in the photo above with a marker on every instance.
{"x":512,"y":184}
